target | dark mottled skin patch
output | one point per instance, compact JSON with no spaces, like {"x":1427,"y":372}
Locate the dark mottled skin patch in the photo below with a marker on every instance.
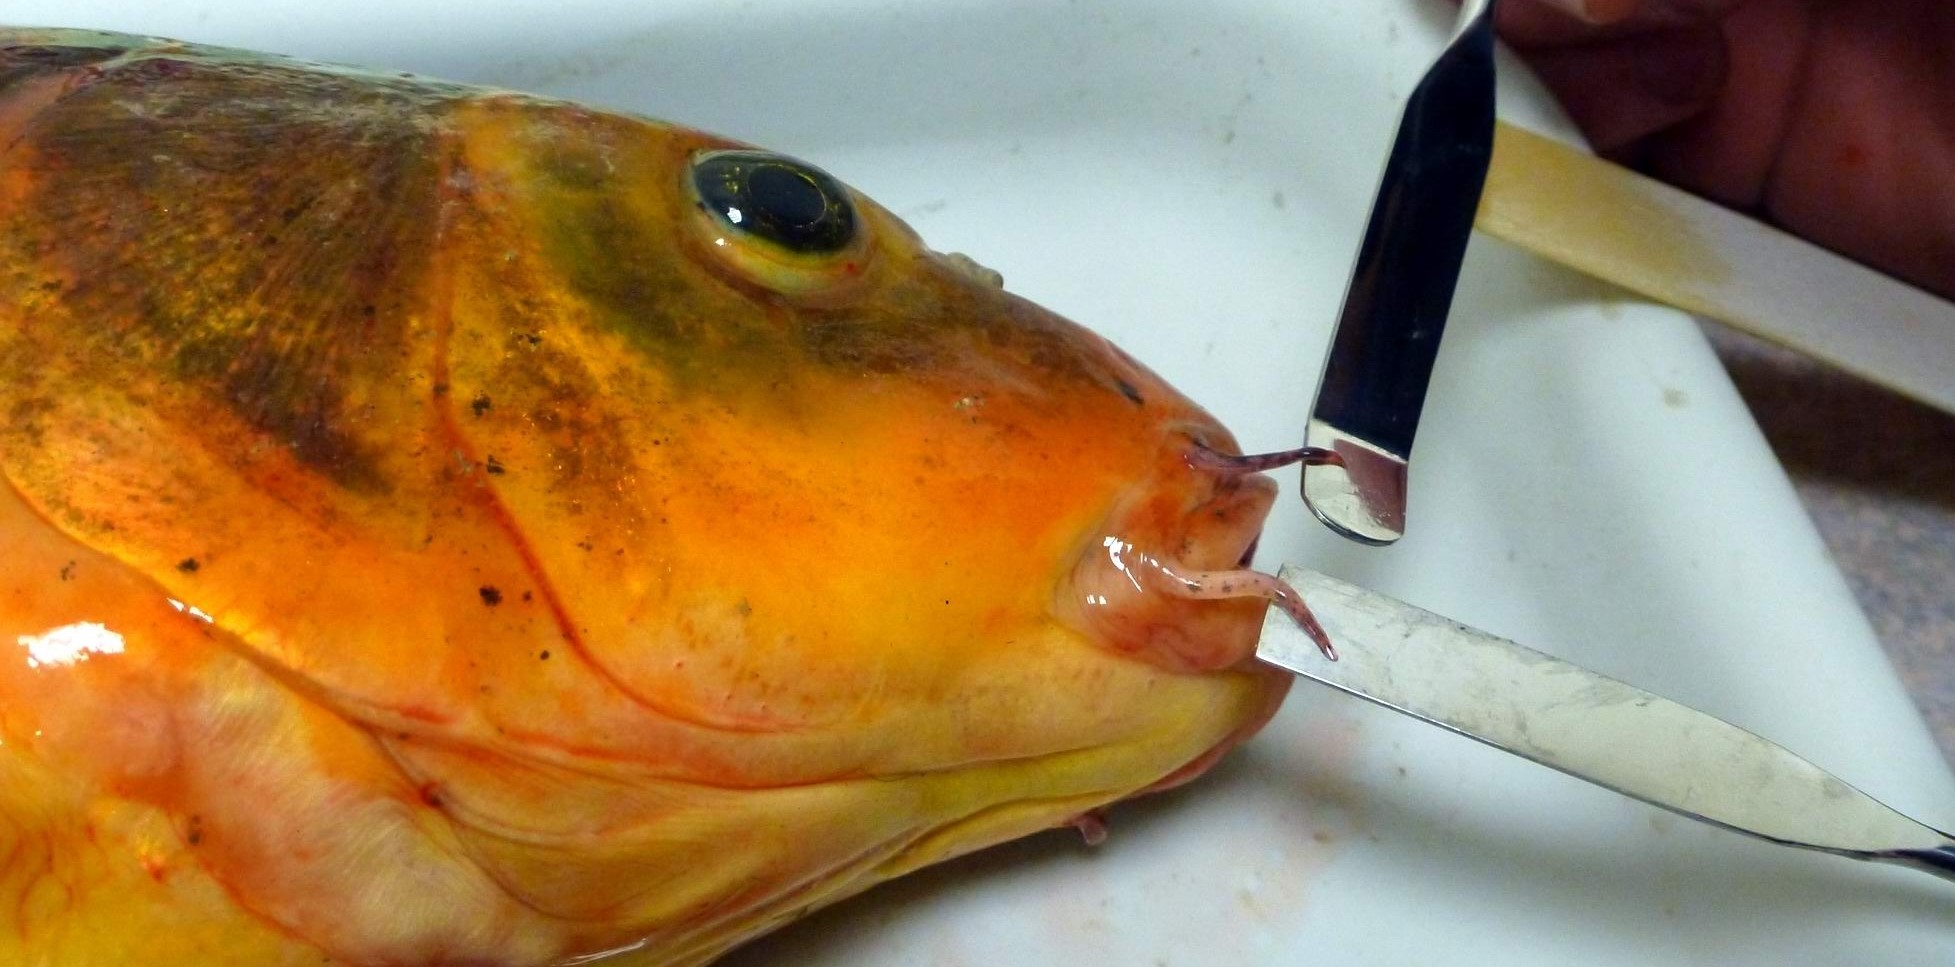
{"x":29,"y":60}
{"x":930,"y":321}
{"x":555,"y":390}
{"x":852,"y":342}
{"x":219,"y":229}
{"x":719,"y":336}
{"x":255,"y":229}
{"x":626,"y":269}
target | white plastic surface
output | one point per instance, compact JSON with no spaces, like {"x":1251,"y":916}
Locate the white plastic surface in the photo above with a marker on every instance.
{"x":1191,"y":179}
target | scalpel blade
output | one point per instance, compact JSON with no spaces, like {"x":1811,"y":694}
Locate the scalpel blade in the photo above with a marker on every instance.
{"x":1587,"y":725}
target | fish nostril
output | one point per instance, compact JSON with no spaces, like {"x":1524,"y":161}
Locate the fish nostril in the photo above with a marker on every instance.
{"x":1249,"y":553}
{"x":973,"y":269}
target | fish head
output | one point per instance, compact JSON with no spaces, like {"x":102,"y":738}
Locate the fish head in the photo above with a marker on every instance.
{"x":568,"y":496}
{"x":915,"y":469}
{"x":889,"y":500}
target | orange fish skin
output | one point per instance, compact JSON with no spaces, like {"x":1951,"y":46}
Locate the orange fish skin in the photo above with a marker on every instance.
{"x":433,"y":537}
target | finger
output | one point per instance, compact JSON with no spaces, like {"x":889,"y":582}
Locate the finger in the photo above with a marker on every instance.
{"x":1626,"y":90}
{"x":1727,"y":153}
{"x":1539,"y":23}
{"x":1869,"y":167}
{"x":1533,"y":23}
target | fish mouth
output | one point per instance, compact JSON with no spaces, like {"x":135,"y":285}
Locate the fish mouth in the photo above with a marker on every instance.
{"x":1166,"y":576}
{"x":1166,"y":579}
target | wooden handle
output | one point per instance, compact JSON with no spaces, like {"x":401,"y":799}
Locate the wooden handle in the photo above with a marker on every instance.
{"x":1570,"y":207}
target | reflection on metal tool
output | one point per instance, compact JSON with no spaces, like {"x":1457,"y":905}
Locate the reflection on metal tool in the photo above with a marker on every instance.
{"x":1374,"y":380}
{"x":1589,"y":726}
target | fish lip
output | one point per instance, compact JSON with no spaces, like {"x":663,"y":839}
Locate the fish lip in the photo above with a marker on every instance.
{"x":1231,"y":498}
{"x":1239,"y":546}
{"x":1123,"y":590}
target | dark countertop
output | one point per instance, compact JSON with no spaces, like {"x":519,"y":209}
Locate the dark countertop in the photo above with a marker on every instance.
{"x":1877,"y":474}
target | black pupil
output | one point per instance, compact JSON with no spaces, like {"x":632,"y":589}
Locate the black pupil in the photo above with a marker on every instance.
{"x":788,"y":196}
{"x":777,"y":199}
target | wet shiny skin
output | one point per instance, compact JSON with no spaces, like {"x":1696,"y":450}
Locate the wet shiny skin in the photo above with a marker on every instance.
{"x":507,"y":564}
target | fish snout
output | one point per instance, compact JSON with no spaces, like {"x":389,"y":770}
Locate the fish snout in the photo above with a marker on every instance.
{"x":1165,"y":578}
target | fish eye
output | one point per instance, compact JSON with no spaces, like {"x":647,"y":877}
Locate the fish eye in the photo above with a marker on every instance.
{"x":776,"y":200}
{"x":782,"y":224}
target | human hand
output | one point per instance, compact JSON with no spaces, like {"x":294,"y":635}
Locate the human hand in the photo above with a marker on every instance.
{"x":1832,"y":118}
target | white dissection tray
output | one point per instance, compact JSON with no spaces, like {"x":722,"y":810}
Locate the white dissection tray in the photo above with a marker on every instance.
{"x":1191,"y":179}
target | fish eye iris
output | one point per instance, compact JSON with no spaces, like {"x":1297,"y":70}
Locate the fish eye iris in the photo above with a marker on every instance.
{"x":793,"y":205}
